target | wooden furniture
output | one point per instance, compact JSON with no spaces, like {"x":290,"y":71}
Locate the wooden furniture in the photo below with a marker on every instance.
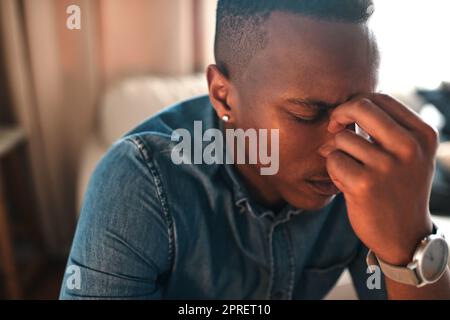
{"x":10,"y":139}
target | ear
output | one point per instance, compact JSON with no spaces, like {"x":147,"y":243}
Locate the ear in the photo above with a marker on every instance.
{"x":221,"y":93}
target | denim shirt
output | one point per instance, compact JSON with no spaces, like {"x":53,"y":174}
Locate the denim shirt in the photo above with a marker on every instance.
{"x":151,"y":229}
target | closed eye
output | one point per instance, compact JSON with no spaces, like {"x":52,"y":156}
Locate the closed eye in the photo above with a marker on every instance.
{"x":309,"y":119}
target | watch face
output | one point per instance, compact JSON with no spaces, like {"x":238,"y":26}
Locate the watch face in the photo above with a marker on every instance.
{"x":434,"y":259}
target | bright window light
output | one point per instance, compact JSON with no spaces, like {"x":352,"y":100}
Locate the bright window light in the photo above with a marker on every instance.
{"x":414,"y":40}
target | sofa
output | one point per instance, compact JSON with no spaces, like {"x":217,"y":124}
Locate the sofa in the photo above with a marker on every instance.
{"x":124,"y":105}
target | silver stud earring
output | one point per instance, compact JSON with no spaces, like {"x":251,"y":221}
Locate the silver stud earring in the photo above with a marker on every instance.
{"x":225,"y":118}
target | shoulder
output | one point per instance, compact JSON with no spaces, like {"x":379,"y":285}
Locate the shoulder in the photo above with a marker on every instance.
{"x":180,"y":115}
{"x":142,"y":161}
{"x":154,"y":139}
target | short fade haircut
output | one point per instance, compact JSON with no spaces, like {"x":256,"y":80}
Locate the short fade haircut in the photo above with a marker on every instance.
{"x":240,"y":25}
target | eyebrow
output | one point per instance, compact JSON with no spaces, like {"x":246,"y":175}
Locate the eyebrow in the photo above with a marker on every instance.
{"x":313,"y":103}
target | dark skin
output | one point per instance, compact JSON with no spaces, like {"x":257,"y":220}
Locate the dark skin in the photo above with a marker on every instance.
{"x":301,"y":68}
{"x":313,"y":81}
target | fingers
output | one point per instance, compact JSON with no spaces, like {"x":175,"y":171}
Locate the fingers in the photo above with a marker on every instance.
{"x":359,"y":148}
{"x":344,"y":171}
{"x":372,"y":119}
{"x":428,"y":136}
{"x":398,"y":111}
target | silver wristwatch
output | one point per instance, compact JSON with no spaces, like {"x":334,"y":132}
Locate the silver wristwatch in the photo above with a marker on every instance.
{"x":427,"y":266}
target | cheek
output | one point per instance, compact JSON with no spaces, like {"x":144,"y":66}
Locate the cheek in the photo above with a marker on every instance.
{"x":260,"y":119}
{"x":256,"y":113}
{"x":298,"y":143}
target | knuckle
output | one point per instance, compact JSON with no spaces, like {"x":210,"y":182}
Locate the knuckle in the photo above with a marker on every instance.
{"x":384,"y":96}
{"x":364,"y":104}
{"x":408,"y":149}
{"x":386,"y":165}
{"x":431,"y":136}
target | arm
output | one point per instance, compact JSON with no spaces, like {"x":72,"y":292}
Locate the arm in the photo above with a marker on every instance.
{"x":436,"y":291}
{"x":121,"y":246}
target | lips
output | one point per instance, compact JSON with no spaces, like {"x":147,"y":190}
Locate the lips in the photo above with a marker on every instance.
{"x":324,"y":187}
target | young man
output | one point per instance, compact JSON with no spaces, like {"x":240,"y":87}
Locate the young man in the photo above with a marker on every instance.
{"x":155,"y":227}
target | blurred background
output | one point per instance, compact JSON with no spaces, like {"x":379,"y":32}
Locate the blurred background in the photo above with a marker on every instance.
{"x":66,"y":94}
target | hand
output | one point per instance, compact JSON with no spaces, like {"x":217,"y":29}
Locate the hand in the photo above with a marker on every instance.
{"x":386,"y":182}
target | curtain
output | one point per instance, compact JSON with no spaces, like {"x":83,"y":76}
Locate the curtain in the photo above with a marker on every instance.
{"x":57,"y":75}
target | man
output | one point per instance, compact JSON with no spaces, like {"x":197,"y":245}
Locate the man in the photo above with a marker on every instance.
{"x":153,"y":228}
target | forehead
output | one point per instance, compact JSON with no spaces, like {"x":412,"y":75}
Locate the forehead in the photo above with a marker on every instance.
{"x":314,"y":58}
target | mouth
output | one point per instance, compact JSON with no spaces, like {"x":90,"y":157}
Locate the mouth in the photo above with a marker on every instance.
{"x":323,"y":187}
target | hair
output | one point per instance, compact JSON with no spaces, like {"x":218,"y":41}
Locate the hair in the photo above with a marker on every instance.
{"x":240,"y":31}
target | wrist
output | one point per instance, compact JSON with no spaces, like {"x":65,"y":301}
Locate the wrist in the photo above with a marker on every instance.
{"x":400,"y":258}
{"x":402,"y":254}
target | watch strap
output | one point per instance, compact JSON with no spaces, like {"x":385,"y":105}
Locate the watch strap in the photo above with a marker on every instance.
{"x":401,"y":274}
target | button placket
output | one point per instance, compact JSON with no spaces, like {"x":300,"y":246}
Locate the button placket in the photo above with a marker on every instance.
{"x":282,"y":272}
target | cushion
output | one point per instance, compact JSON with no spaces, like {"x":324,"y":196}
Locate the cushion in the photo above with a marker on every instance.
{"x":131,"y":101}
